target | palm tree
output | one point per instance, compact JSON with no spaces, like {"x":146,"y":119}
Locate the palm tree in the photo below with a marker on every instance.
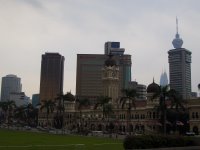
{"x":7,"y":107}
{"x":162,"y":108}
{"x":175,"y":102}
{"x":177,"y":106}
{"x":81,"y":104}
{"x":61,"y":106}
{"x":20,"y":114}
{"x":102,"y":101}
{"x":58,"y":120}
{"x":108,"y":110}
{"x":49,"y":106}
{"x":129,"y":97}
{"x":29,"y":109}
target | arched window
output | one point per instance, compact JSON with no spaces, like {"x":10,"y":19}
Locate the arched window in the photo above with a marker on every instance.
{"x":193,"y":115}
{"x":154,"y":115}
{"x":149,"y":114}
{"x":197,"y":115}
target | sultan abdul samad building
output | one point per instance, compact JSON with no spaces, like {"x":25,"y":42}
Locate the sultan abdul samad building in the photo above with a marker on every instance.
{"x":144,"y":117}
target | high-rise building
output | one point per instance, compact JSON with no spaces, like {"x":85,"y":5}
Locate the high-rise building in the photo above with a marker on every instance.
{"x":51,"y":79}
{"x":180,"y":67}
{"x":113,"y":48}
{"x":163,"y":79}
{"x":10,"y":83}
{"x":89,"y":74}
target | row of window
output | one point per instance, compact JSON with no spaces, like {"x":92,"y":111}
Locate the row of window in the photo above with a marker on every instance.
{"x":195,"y":115}
{"x":150,"y":115}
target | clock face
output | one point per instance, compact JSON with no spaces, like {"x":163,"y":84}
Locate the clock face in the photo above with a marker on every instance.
{"x":114,"y":74}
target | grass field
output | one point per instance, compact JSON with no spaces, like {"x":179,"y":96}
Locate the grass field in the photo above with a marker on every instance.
{"x":21,"y":140}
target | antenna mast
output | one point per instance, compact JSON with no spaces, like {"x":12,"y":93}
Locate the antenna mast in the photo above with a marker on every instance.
{"x":177,"y":25}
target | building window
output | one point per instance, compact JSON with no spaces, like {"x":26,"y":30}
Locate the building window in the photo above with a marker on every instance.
{"x":154,"y":115}
{"x":150,"y":115}
{"x":197,"y":115}
{"x":193,"y":116}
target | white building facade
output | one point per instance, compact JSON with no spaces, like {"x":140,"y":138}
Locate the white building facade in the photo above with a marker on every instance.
{"x":20,"y":99}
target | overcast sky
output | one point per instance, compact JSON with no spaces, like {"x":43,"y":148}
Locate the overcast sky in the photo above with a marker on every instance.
{"x":145,"y":28}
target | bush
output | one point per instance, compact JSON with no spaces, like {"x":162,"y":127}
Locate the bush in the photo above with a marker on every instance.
{"x":155,"y":141}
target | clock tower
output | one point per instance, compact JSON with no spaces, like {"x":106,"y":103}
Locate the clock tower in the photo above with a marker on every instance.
{"x":110,"y":79}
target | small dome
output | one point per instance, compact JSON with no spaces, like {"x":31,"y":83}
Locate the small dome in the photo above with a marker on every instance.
{"x":69,"y":97}
{"x":153,"y":88}
{"x":110,"y":61}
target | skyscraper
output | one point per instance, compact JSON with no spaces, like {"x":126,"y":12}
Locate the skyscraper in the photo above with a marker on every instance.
{"x":10,"y":83}
{"x":180,"y":67}
{"x":113,"y":48}
{"x":51,"y":79}
{"x":163,"y":79}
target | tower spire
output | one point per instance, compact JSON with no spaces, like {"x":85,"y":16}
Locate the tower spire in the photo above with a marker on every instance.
{"x":177,"y":42}
{"x":176,"y":25}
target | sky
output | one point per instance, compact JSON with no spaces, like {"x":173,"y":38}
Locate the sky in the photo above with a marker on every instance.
{"x":145,"y":28}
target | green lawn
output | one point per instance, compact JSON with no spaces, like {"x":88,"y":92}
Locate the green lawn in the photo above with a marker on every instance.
{"x":21,"y":140}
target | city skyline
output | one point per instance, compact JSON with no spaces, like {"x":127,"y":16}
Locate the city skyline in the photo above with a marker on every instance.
{"x":145,"y":29}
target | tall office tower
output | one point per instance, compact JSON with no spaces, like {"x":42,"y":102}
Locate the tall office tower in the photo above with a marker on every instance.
{"x":113,"y":48}
{"x":89,"y":74}
{"x":180,"y":67}
{"x":10,"y":83}
{"x":51,"y":79}
{"x":163,"y":79}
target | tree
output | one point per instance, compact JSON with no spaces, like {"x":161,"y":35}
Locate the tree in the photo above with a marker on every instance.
{"x":81,"y":104}
{"x":102,"y":101}
{"x":58,"y":119}
{"x":129,"y":97}
{"x":20,"y":114}
{"x":49,"y":106}
{"x":7,"y":107}
{"x":177,"y":107}
{"x":28,"y":109}
{"x":62,"y":98}
{"x":165,"y":93}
